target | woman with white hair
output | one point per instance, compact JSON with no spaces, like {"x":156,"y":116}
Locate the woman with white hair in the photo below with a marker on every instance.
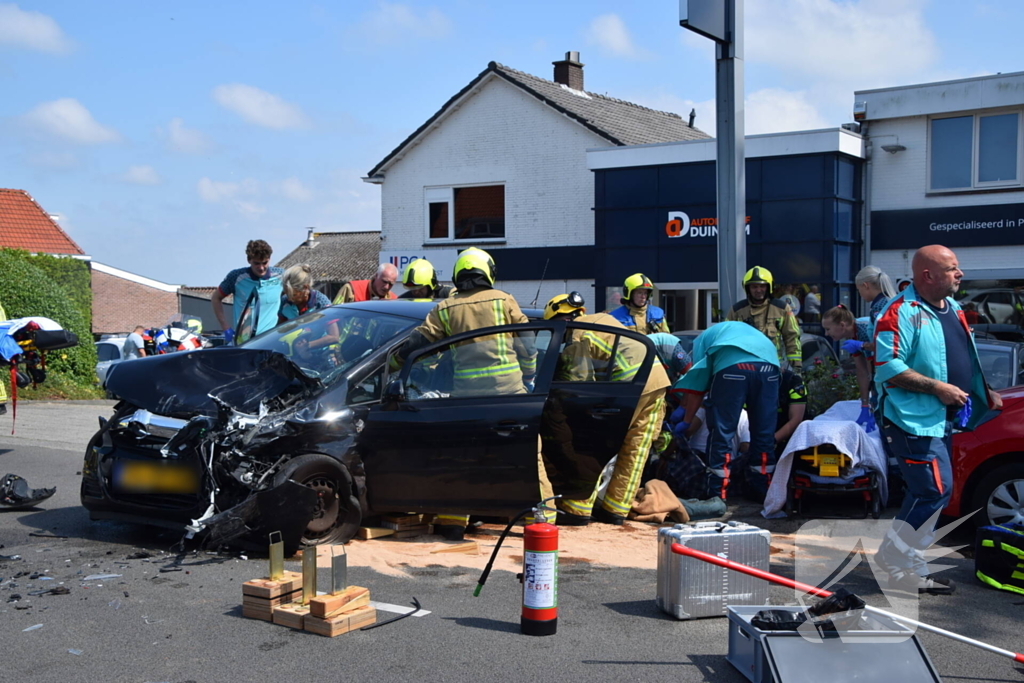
{"x":876,"y":287}
{"x":299,"y":295}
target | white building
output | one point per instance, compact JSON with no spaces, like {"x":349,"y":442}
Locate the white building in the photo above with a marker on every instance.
{"x":946,"y":166}
{"x":503,"y":166}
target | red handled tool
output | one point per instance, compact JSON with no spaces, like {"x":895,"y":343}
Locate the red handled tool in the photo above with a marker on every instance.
{"x":821,"y":592}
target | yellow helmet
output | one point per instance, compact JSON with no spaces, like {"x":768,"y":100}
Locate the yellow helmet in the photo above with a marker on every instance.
{"x":636,"y":281}
{"x":474,"y":261}
{"x":419,"y":273}
{"x":571,"y":303}
{"x":758,"y":275}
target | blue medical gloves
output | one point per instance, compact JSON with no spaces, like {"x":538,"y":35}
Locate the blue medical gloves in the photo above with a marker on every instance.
{"x":867,"y":419}
{"x":963,"y":416}
{"x":679,"y":430}
{"x":229,"y":336}
{"x":852,"y":346}
{"x":677,"y":415}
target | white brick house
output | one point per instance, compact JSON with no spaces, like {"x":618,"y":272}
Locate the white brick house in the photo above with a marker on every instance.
{"x":946,"y":166}
{"x":502,"y":166}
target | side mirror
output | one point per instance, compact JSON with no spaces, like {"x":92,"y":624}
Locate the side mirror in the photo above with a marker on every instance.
{"x":394,"y":392}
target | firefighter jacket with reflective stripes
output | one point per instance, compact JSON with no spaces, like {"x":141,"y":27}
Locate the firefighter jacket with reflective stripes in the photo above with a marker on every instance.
{"x":645,"y":320}
{"x":358,"y":290}
{"x":775,"y":319}
{"x":439,"y":292}
{"x":585,"y":358}
{"x":492,"y":364}
{"x":722,"y":346}
{"x":908,"y":336}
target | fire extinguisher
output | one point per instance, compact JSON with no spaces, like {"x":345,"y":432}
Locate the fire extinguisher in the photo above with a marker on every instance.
{"x":540,"y":571}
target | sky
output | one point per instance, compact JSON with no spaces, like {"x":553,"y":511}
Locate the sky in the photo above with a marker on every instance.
{"x":167,"y":135}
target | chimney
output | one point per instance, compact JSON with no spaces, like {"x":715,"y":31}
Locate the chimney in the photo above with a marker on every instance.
{"x":569,"y":72}
{"x":310,"y":237}
{"x":693,"y":116}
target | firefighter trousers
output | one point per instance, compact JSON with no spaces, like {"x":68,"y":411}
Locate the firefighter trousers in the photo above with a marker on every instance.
{"x":546,"y":491}
{"x":630,"y":461}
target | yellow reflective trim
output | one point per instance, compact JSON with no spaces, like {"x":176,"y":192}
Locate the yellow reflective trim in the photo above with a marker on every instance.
{"x":1016,"y":552}
{"x":503,"y":369}
{"x":988,"y":543}
{"x":995,"y":584}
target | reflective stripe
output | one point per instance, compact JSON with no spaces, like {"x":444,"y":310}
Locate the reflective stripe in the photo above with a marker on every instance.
{"x":995,"y":584}
{"x":453,"y":520}
{"x":937,"y":475}
{"x":492,"y":371}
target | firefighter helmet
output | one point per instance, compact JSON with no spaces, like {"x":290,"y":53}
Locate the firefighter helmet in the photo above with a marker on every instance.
{"x":474,"y":261}
{"x":571,"y":303}
{"x":635,"y":282}
{"x":419,"y":273}
{"x":758,"y":275}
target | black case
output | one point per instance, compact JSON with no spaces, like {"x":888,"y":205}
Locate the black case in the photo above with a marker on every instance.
{"x":999,"y":557}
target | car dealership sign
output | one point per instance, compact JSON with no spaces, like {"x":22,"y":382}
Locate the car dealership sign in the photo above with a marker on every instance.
{"x":681,"y":225}
{"x":956,"y":226}
{"x":443,"y":260}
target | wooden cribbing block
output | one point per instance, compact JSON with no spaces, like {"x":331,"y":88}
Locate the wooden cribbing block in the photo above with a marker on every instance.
{"x":265,"y":588}
{"x":469,"y":547}
{"x":412,"y":531}
{"x":401,"y":522}
{"x":328,"y":605}
{"x":368,"y":532}
{"x":291,"y":615}
{"x":341,"y":623}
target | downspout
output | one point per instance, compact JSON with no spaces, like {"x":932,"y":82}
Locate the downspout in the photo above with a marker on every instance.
{"x":866,"y":206}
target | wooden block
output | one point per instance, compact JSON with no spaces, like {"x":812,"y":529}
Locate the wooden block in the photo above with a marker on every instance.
{"x":291,"y":615}
{"x":264,"y":613}
{"x":341,"y":623}
{"x":328,"y":605}
{"x":401,"y":522}
{"x":412,"y":531}
{"x":469,"y":547}
{"x":283,"y":599}
{"x":368,"y":532}
{"x":265,"y":588}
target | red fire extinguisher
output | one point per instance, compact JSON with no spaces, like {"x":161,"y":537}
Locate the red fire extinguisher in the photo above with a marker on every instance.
{"x":540,"y":572}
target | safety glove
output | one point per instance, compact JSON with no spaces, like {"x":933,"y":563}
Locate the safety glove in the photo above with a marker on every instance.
{"x":963,"y":416}
{"x":867,"y":419}
{"x":229,"y":336}
{"x":852,"y":346}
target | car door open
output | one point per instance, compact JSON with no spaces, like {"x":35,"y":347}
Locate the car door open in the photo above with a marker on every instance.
{"x":459,"y":430}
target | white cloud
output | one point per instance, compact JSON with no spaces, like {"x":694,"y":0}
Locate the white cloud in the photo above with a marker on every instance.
{"x":250,"y":209}
{"x":186,"y":140}
{"x":67,"y":119}
{"x":142,"y":175}
{"x":259,"y":107}
{"x":32,"y":30}
{"x":866,"y":43}
{"x":214,"y":191}
{"x":53,"y":160}
{"x":774,"y":110}
{"x":393,"y":23}
{"x":292,"y":188}
{"x":610,"y":34}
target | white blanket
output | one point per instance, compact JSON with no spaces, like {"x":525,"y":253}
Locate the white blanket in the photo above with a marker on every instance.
{"x":837,"y":426}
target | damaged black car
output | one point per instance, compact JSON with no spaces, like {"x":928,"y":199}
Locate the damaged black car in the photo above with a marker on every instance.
{"x":313,"y":426}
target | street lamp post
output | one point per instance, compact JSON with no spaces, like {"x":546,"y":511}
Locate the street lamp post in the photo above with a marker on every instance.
{"x":722,"y":21}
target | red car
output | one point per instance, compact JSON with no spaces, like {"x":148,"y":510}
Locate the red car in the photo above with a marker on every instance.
{"x":988,"y":463}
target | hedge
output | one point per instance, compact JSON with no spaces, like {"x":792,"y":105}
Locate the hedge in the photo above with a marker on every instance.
{"x":28,"y":290}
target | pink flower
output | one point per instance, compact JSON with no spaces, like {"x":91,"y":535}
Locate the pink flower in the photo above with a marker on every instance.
{"x":834,"y":376}
{"x":817,"y":361}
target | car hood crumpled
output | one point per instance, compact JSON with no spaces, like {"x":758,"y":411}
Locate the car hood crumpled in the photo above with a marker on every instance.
{"x":180,"y":384}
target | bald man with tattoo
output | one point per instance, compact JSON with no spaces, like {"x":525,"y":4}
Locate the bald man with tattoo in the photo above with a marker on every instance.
{"x":929,"y":383}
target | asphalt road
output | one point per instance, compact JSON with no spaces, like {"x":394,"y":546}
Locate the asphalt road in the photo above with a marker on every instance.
{"x":186,"y":625}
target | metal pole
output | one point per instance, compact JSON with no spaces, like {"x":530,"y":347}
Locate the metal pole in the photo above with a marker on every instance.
{"x":731,"y":165}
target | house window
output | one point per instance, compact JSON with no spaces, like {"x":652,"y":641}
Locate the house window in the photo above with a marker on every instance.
{"x":472,"y":213}
{"x":975,"y":151}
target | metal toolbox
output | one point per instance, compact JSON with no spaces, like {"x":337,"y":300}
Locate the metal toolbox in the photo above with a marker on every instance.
{"x":877,"y":649}
{"x":689,"y":588}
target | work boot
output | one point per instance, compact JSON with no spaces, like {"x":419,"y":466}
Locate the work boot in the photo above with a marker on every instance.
{"x":3,"y":408}
{"x":929,"y":584}
{"x":567,"y":519}
{"x":450,"y":532}
{"x":599,"y":514}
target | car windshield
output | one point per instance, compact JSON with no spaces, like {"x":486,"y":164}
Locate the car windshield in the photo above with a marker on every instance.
{"x":328,"y":341}
{"x":997,"y":364}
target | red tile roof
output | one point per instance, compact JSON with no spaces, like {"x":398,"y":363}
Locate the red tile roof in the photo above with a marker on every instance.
{"x":25,"y":225}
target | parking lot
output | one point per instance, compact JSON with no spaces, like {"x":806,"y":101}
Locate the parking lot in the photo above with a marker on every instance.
{"x":178,"y":618}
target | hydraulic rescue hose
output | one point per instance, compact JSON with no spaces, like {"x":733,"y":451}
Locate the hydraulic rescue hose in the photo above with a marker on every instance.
{"x":494,"y":554}
{"x":821,"y":592}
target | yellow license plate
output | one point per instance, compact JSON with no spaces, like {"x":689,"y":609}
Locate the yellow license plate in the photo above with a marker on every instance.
{"x":163,"y":477}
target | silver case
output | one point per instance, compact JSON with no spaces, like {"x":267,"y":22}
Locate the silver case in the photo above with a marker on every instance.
{"x":689,"y":588}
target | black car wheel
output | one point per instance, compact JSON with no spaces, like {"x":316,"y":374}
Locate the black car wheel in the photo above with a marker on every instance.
{"x":337,"y":514}
{"x":1000,"y":495}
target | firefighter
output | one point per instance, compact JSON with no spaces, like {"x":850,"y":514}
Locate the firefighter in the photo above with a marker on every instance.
{"x":771,"y":316}
{"x":636,"y":312}
{"x":734,"y":365}
{"x":587,"y":353}
{"x":499,"y":364}
{"x":420,"y":282}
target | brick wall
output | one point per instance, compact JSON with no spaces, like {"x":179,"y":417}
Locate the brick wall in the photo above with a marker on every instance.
{"x":499,"y":135}
{"x":119,"y":305}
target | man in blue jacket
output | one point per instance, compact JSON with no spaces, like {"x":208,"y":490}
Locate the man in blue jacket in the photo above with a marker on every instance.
{"x":734,"y":364}
{"x":929,"y":381}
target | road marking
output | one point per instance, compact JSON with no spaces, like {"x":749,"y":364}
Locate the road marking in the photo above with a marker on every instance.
{"x":398,"y":609}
